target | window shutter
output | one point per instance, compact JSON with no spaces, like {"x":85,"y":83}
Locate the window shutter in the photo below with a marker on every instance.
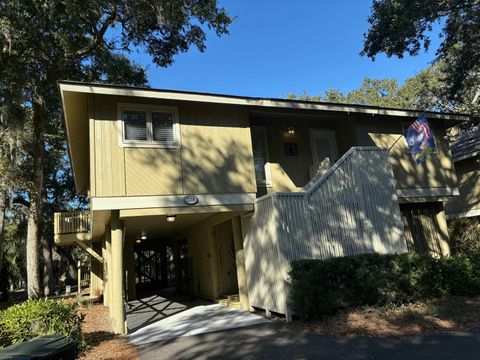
{"x":258,"y":144}
{"x":162,"y":125}
{"x":135,"y":123}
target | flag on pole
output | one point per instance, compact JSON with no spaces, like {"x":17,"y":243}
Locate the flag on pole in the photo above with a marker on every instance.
{"x":420,"y":139}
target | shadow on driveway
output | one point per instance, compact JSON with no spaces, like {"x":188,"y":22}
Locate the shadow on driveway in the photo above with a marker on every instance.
{"x":271,"y":341}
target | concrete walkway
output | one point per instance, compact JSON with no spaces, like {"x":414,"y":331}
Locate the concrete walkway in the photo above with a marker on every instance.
{"x":270,"y":341}
{"x":150,"y":309}
{"x":195,"y":320}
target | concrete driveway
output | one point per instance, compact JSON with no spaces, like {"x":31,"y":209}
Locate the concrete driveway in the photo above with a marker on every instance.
{"x":271,"y":341}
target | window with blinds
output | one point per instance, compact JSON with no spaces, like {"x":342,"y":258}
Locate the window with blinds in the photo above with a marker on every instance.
{"x":162,"y":127}
{"x":150,"y":127}
{"x":135,"y":125}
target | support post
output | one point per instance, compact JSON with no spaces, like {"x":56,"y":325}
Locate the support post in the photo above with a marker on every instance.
{"x":240,"y":263}
{"x":108,"y":269}
{"x":118,"y":290}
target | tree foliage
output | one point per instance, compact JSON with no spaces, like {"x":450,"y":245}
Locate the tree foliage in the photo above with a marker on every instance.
{"x":399,"y":27}
{"x":422,"y":92}
{"x":44,"y":41}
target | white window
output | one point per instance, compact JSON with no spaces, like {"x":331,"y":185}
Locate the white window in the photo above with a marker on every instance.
{"x":260,"y":156}
{"x":148,"y":126}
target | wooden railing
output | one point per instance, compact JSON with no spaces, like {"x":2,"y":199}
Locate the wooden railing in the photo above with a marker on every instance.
{"x":71,"y":222}
{"x":351,"y":208}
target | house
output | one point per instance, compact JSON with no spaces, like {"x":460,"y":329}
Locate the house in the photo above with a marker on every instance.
{"x":466,"y":156}
{"x":214,"y":194}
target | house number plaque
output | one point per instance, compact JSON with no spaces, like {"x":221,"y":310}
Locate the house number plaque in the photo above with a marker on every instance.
{"x":190,"y":200}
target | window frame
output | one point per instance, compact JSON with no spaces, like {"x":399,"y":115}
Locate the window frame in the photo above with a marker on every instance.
{"x":148,"y":109}
{"x":268,"y":174}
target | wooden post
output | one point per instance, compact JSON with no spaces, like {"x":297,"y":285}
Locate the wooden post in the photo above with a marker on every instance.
{"x":108,"y":267}
{"x":118,"y":288}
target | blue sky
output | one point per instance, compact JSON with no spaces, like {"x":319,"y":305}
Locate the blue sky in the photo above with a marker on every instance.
{"x":277,"y":47}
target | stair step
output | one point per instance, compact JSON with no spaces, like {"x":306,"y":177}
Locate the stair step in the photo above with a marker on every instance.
{"x":231,"y":301}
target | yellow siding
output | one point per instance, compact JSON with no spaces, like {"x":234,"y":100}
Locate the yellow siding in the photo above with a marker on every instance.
{"x":436,"y":172}
{"x":153,"y":171}
{"x":215,"y":155}
{"x":109,"y":157}
{"x":216,"y":150}
{"x":468,"y":172}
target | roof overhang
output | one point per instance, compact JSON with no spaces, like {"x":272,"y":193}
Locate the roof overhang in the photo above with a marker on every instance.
{"x":103,"y":89}
{"x":75,"y":110}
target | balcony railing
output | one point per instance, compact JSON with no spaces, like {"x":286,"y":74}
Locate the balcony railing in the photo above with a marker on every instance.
{"x":72,"y":222}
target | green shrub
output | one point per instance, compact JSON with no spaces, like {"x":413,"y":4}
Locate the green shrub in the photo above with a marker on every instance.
{"x":40,"y":317}
{"x":321,"y":287}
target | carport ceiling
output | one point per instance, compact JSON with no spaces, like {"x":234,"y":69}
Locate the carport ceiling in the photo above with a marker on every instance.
{"x":157,"y":226}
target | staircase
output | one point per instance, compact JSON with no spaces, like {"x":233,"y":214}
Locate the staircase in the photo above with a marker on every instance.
{"x":349,"y":209}
{"x":231,"y":301}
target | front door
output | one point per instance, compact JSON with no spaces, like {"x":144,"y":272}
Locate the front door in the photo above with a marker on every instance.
{"x":323,"y":146}
{"x":227,"y":270}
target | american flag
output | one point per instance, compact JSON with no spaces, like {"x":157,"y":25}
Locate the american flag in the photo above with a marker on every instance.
{"x":420,"y":139}
{"x":421,"y":126}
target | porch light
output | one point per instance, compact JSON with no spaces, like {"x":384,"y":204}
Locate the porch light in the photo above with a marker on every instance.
{"x":171,"y":218}
{"x":138,"y":241}
{"x":291,"y":130}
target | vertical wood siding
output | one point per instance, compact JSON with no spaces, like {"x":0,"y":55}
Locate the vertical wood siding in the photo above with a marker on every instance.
{"x":351,"y":209}
{"x":215,"y":154}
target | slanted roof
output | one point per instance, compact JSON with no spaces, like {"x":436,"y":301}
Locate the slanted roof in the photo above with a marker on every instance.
{"x":262,"y":102}
{"x":466,"y":146}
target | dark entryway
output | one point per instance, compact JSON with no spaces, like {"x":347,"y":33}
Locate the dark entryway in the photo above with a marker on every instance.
{"x":161,"y":265}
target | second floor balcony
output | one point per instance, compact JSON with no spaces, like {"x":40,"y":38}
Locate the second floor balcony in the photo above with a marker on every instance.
{"x":72,"y":226}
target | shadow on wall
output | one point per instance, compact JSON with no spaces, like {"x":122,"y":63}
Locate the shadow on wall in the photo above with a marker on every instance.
{"x":352,"y":210}
{"x":208,"y":162}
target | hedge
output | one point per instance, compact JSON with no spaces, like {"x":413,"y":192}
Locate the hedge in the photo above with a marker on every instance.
{"x":40,"y":317}
{"x":323,"y":287}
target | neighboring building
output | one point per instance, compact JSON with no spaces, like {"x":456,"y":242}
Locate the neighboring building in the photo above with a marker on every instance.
{"x":214,"y":194}
{"x":466,"y":155}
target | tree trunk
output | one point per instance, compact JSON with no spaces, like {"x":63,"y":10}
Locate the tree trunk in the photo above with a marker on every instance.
{"x":3,"y":206}
{"x":3,"y":274}
{"x":48,"y":282}
{"x":36,"y":201}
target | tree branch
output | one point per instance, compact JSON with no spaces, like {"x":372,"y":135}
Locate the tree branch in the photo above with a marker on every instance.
{"x":100,"y":34}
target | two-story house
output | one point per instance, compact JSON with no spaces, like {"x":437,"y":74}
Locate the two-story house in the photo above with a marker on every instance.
{"x":214,"y":194}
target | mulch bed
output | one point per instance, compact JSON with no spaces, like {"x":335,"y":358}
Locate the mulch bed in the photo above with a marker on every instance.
{"x":438,"y":315}
{"x":102,"y":343}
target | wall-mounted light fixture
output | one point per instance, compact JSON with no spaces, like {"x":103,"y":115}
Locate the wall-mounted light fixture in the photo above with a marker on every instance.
{"x":138,"y":241}
{"x":171,"y":218}
{"x":291,"y":130}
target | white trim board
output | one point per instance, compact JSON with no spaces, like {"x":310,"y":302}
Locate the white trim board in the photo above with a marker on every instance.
{"x":162,"y":201}
{"x":469,"y":213}
{"x":246,"y":101}
{"x":426,"y":192}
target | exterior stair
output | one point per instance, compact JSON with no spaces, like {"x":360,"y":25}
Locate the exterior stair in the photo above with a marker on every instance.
{"x":232,"y":301}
